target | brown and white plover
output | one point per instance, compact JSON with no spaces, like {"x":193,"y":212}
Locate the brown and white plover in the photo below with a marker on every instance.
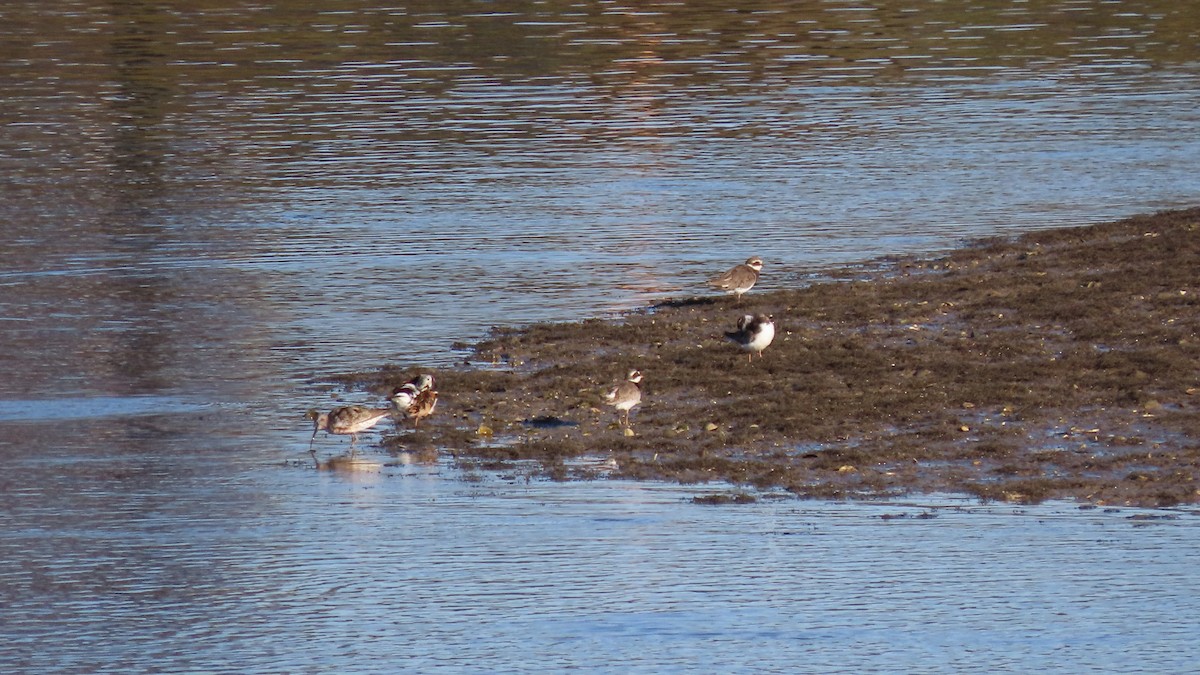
{"x":626,"y":395}
{"x":416,"y":400}
{"x":739,"y":279}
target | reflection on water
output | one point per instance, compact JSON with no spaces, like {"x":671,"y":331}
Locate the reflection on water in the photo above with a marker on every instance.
{"x":200,"y":562}
{"x":374,"y":182}
{"x":79,"y":408}
{"x":209,"y":207}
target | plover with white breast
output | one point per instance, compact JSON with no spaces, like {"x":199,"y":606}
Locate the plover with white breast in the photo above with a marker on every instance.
{"x":739,"y":279}
{"x":753,"y":334}
{"x":415,"y":400}
{"x":626,"y":395}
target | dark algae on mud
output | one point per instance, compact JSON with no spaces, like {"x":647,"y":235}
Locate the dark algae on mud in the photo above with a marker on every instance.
{"x":1060,"y":364}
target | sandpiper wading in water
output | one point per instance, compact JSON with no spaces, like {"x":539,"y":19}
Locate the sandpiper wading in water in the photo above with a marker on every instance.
{"x":348,"y":419}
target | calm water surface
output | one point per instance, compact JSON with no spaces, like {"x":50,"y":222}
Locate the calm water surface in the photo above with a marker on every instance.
{"x":203,"y":562}
{"x":210,"y":207}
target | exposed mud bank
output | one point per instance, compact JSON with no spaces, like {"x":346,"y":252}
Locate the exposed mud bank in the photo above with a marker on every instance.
{"x":1060,"y":364}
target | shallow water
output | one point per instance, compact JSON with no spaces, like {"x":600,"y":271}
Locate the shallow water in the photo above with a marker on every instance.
{"x":204,"y":564}
{"x":209,"y":209}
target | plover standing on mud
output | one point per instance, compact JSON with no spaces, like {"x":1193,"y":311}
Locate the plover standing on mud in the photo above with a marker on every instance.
{"x":739,"y":279}
{"x":754,"y":334}
{"x":415,"y":400}
{"x":626,"y":395}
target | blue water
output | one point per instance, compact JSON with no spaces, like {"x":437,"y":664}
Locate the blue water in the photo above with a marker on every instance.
{"x":414,"y":568}
{"x":209,"y":211}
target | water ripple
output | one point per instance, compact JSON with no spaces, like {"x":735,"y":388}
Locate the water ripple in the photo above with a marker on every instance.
{"x":417,"y":568}
{"x":210,"y":210}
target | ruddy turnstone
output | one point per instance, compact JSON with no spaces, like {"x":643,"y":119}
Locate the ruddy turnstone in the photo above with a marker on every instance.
{"x":415,"y":400}
{"x":753,"y":334}
{"x":626,"y":395}
{"x":739,"y":279}
{"x":348,"y":419}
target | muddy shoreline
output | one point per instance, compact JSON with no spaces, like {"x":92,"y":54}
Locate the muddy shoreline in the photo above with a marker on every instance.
{"x":1062,"y":364}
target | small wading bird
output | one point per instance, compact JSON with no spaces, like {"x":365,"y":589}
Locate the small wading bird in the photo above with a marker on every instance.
{"x":416,"y":400}
{"x":626,"y":395}
{"x":753,"y":334}
{"x":348,"y":419}
{"x":739,"y":279}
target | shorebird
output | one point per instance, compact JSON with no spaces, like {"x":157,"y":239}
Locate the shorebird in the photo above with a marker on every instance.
{"x":626,"y":395}
{"x":415,"y":400}
{"x":349,"y":419}
{"x":739,"y":279}
{"x":753,"y":334}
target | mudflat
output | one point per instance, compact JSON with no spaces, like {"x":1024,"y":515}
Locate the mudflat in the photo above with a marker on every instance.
{"x":1059,"y":364}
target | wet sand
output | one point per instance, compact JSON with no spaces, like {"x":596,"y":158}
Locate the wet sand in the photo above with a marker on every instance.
{"x":1060,"y":364}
